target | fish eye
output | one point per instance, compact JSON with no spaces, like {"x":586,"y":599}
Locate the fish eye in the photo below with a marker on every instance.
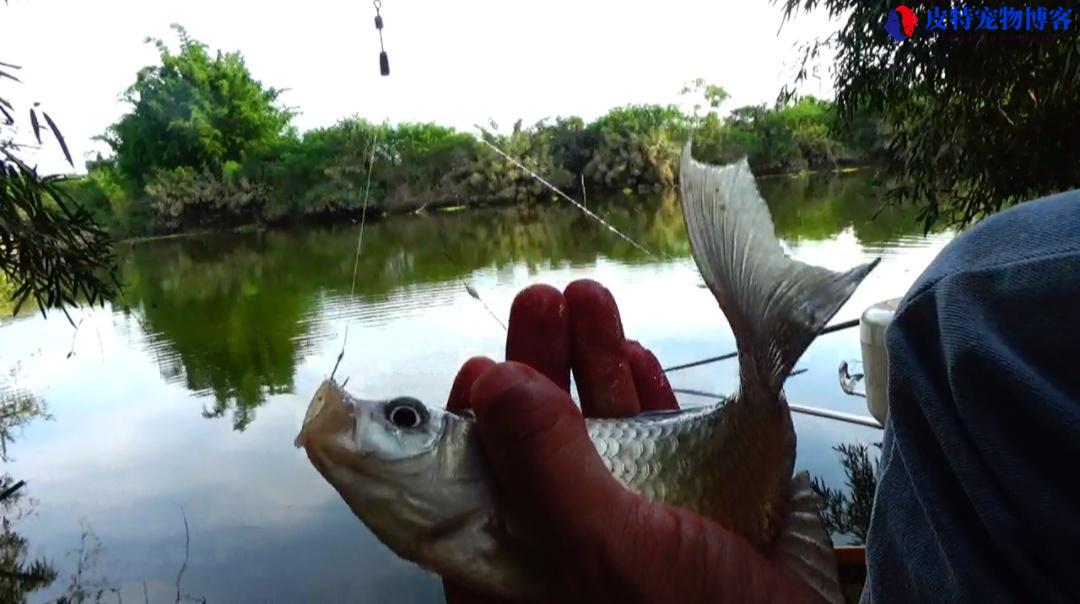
{"x":406,"y":412}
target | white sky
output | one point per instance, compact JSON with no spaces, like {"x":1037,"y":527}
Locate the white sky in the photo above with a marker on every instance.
{"x":454,"y":62}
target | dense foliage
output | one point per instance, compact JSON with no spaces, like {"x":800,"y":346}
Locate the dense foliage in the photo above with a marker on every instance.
{"x":193,"y":110}
{"x":977,"y":119}
{"x":51,"y":250}
{"x":205,"y":145}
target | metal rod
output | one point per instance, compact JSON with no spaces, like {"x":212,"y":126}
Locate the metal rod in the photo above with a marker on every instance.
{"x":731,"y":355}
{"x":722,"y":357}
{"x":850,"y":418}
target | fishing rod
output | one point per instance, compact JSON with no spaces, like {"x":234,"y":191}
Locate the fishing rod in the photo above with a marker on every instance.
{"x":731,"y":355}
{"x":560,"y":193}
{"x":850,"y":418}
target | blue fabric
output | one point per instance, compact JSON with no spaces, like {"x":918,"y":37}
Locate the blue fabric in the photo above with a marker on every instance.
{"x":978,"y":495}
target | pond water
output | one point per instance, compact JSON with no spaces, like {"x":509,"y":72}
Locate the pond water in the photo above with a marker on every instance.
{"x":181,"y":403}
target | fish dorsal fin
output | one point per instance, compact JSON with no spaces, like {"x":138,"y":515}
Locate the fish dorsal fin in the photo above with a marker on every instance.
{"x":776,"y":306}
{"x":805,"y":548}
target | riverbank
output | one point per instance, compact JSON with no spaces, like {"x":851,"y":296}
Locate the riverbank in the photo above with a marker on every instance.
{"x":244,"y":162}
{"x":373,"y":215}
{"x":378,"y":211}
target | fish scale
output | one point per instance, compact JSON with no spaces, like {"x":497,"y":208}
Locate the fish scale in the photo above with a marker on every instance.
{"x":415,"y":475}
{"x":635,"y":451}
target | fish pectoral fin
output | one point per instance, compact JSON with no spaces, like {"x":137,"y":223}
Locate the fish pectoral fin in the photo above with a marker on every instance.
{"x":805,"y":548}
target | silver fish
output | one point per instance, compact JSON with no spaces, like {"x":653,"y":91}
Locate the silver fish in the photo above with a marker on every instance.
{"x":414,"y":475}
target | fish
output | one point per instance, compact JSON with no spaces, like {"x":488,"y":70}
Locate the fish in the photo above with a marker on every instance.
{"x":415,"y":473}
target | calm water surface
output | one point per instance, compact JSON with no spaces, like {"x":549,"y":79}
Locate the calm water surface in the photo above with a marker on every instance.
{"x":186,"y":401}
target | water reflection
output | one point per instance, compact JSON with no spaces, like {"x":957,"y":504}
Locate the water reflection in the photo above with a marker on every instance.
{"x":242,"y":327}
{"x":229,"y":315}
{"x":20,"y":573}
{"x":847,"y":508}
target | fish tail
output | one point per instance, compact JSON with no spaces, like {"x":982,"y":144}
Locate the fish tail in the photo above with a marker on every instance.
{"x":776,"y":305}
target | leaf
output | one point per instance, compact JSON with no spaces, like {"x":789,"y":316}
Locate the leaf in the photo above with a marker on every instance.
{"x":37,"y":126}
{"x":59,"y":138}
{"x":4,"y":74}
{"x":20,"y":300}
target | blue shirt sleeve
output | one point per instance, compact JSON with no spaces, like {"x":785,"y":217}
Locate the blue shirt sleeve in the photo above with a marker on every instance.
{"x":979,"y":484}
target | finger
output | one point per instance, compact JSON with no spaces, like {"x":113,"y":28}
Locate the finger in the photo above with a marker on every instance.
{"x":539,"y":333}
{"x":544,"y":463}
{"x":601,"y":370}
{"x":653,"y":389}
{"x":459,"y":392}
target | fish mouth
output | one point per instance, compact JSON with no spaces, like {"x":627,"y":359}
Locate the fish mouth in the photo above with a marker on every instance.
{"x":328,"y":414}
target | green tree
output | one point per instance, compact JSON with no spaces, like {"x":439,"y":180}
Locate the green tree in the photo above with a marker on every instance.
{"x":638,"y":147}
{"x":331,"y":171}
{"x":700,"y":90}
{"x":194,"y":110}
{"x":976,"y":120}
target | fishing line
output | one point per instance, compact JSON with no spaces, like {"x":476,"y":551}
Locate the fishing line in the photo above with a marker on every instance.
{"x":359,"y":246}
{"x":363,"y":214}
{"x":472,"y":291}
{"x":384,"y":69}
{"x":565,"y":196}
{"x":474,"y":294}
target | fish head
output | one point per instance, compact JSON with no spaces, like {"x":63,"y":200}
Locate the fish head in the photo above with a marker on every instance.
{"x":407,"y":470}
{"x":374,"y":436}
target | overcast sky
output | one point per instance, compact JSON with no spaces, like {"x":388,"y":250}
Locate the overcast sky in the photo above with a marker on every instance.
{"x":454,"y":62}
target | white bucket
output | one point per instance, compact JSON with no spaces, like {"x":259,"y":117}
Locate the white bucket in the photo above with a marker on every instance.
{"x":876,"y":357}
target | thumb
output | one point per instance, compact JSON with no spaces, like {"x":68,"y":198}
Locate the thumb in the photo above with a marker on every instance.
{"x":544,"y":462}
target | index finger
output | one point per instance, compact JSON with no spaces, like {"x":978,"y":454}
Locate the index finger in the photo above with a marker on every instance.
{"x":539,"y":333}
{"x":601,"y":370}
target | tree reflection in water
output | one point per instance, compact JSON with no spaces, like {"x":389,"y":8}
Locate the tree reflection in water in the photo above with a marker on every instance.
{"x":848,"y":512}
{"x":19,"y":575}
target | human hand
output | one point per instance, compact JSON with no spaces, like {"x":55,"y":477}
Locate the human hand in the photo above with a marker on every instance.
{"x":598,"y":540}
